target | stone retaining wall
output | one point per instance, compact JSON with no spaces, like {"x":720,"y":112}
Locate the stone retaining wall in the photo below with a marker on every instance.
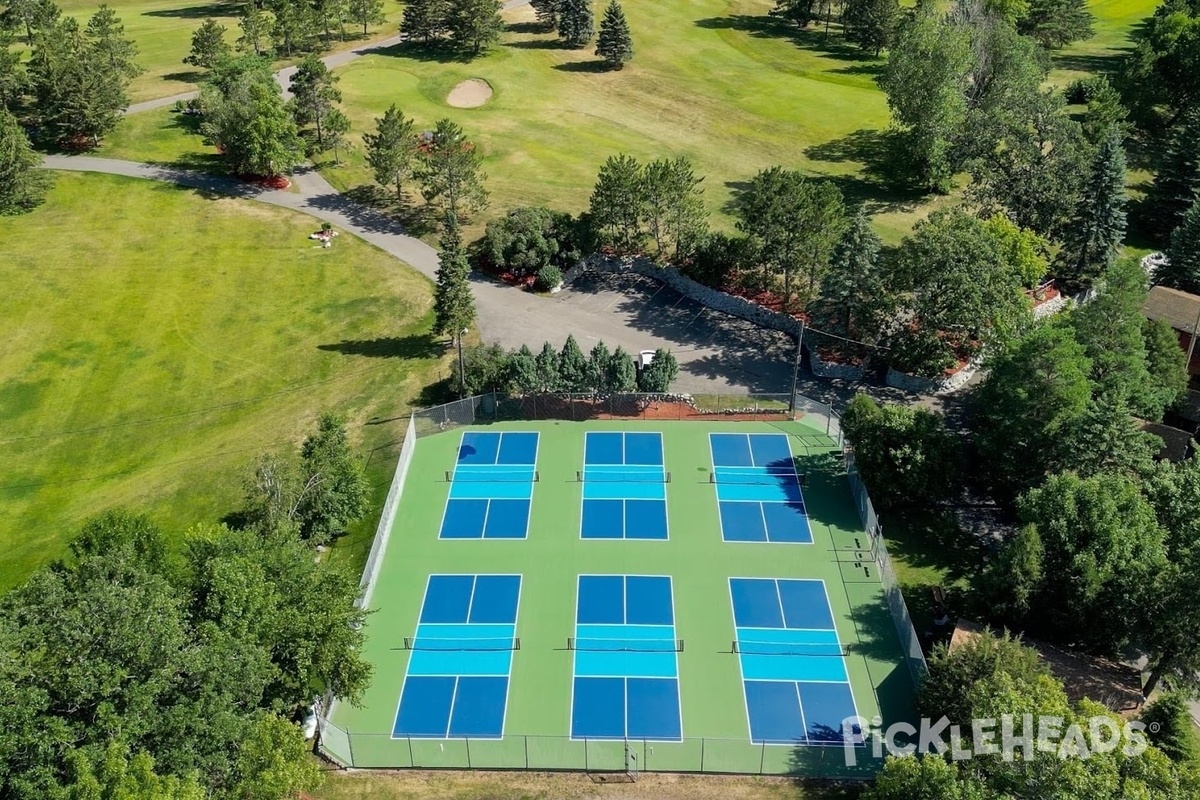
{"x":942,"y":385}
{"x":831,"y":369}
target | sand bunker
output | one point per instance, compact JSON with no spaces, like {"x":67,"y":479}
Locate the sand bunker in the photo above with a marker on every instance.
{"x":470,"y":93}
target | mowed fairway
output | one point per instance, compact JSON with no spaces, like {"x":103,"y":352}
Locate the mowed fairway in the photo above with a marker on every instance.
{"x":714,"y":81}
{"x":155,"y":342}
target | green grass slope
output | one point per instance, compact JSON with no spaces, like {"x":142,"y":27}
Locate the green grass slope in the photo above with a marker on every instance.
{"x":157,"y":341}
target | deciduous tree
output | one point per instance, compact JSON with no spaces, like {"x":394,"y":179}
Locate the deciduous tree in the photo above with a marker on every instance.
{"x":871,"y":23}
{"x":1056,"y":23}
{"x":621,"y":375}
{"x":366,"y":13}
{"x":657,"y":376}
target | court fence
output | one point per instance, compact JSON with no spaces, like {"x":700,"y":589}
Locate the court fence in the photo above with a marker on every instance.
{"x":699,"y":755}
{"x":560,"y":753}
{"x":580,"y":406}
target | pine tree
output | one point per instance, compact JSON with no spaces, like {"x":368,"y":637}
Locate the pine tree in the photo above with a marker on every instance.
{"x":366,"y":13}
{"x":393,"y":150}
{"x":575,"y":23}
{"x":115,"y":53}
{"x":1055,"y":23}
{"x":258,"y":30}
{"x":314,"y":98}
{"x":475,"y":25}
{"x":614,"y":44}
{"x":618,"y":200}
{"x":23,"y":183}
{"x":853,"y":290}
{"x":450,"y":171}
{"x":1094,"y":236}
{"x":425,"y":20}
{"x":547,"y":12}
{"x":621,"y":375}
{"x":598,"y":363}
{"x":547,"y":362}
{"x":573,"y":367}
{"x":13,"y":79}
{"x":1183,"y":268}
{"x":870,"y":23}
{"x":453,"y":305}
{"x":208,"y":45}
{"x":295,"y":26}
{"x":522,"y":371}
{"x":1178,"y":180}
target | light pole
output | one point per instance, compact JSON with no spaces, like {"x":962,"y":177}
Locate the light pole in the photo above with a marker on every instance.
{"x":796,"y":370}
{"x":462,"y":368}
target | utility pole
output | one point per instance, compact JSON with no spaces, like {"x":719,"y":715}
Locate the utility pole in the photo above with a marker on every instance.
{"x":796,"y":370}
{"x":462,"y":368}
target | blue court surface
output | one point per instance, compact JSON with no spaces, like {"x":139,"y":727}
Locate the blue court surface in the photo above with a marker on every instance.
{"x":758,"y":490}
{"x":793,"y":664}
{"x":626,"y":680}
{"x":492,"y":486}
{"x":624,"y":486}
{"x":457,"y":679}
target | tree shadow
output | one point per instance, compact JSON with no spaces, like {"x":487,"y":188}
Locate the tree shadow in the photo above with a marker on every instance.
{"x":1093,"y":64}
{"x":528,"y":27}
{"x":539,"y":44}
{"x":593,"y":67}
{"x":196,"y":12}
{"x":416,"y":346}
{"x":883,"y":184}
{"x":419,"y":51}
{"x":185,"y":76}
{"x":768,"y":27}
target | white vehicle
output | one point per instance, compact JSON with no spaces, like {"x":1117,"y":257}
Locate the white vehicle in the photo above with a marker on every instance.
{"x":644,"y":358}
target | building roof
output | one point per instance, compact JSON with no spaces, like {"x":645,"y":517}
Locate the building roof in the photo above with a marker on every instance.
{"x":1177,"y":444}
{"x":1116,"y":686}
{"x":1177,"y":309}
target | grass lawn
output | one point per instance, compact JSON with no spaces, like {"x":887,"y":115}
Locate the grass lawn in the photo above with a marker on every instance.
{"x":162,"y":30}
{"x":157,"y":341}
{"x":418,"y":785}
{"x":713,"y":80}
{"x":161,"y":136}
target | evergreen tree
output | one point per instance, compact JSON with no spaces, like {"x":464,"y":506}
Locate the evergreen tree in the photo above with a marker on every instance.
{"x":614,"y":44}
{"x":109,"y":48}
{"x":258,"y":30}
{"x":870,"y":23}
{"x":22,"y":183}
{"x":547,"y":365}
{"x":13,"y":78}
{"x":314,"y":98}
{"x":598,"y":362}
{"x":659,"y":374}
{"x":295,"y":26}
{"x":853,"y":291}
{"x":426,"y":20}
{"x":618,"y":201}
{"x":453,"y":305}
{"x":1106,"y":440}
{"x":522,"y":371}
{"x":621,"y":374}
{"x":575,"y":23}
{"x":331,"y":15}
{"x":546,"y":12}
{"x":450,"y":171}
{"x":208,"y":45}
{"x":674,"y":205}
{"x":393,"y":150}
{"x":28,"y":15}
{"x":1171,"y":729}
{"x":1055,"y":23}
{"x":573,"y":367}
{"x":1177,"y":182}
{"x":1183,"y":268}
{"x":475,"y":25}
{"x":1094,"y":236}
{"x":366,"y":13}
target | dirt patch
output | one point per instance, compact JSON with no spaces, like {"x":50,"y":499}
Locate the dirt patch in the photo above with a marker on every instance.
{"x":471,"y":93}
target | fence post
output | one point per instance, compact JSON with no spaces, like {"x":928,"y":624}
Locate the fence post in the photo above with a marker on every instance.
{"x":412,"y":762}
{"x":702,"y":740}
{"x":525,"y":739}
{"x":762,"y":758}
{"x":467,"y":744}
{"x":350,"y":746}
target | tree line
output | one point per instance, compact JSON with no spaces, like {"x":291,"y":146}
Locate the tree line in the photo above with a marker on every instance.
{"x":599,"y":371}
{"x":157,"y":663}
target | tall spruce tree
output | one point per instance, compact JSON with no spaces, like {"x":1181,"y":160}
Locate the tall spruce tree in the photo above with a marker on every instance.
{"x":575,"y":23}
{"x":546,"y":12}
{"x":425,"y":20}
{"x":1183,"y":268}
{"x":392,"y":150}
{"x":13,"y":78}
{"x":22,"y":183}
{"x":1094,"y":236}
{"x":451,"y":171}
{"x":853,"y":288}
{"x":573,"y":367}
{"x":1055,"y":23}
{"x":1177,"y":183}
{"x":208,"y":45}
{"x":314,"y":100}
{"x":453,"y":305}
{"x":614,"y":45}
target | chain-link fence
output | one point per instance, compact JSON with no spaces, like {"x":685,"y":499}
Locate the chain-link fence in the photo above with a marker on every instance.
{"x":384,"y":530}
{"x":696,"y":755}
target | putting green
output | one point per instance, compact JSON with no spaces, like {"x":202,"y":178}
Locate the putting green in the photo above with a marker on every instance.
{"x":157,"y":341}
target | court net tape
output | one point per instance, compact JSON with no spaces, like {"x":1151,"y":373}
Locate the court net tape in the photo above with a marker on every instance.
{"x":621,"y":477}
{"x":494,"y":476}
{"x":789,"y":648}
{"x":589,"y":643}
{"x":447,"y":645}
{"x":789,"y":478}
